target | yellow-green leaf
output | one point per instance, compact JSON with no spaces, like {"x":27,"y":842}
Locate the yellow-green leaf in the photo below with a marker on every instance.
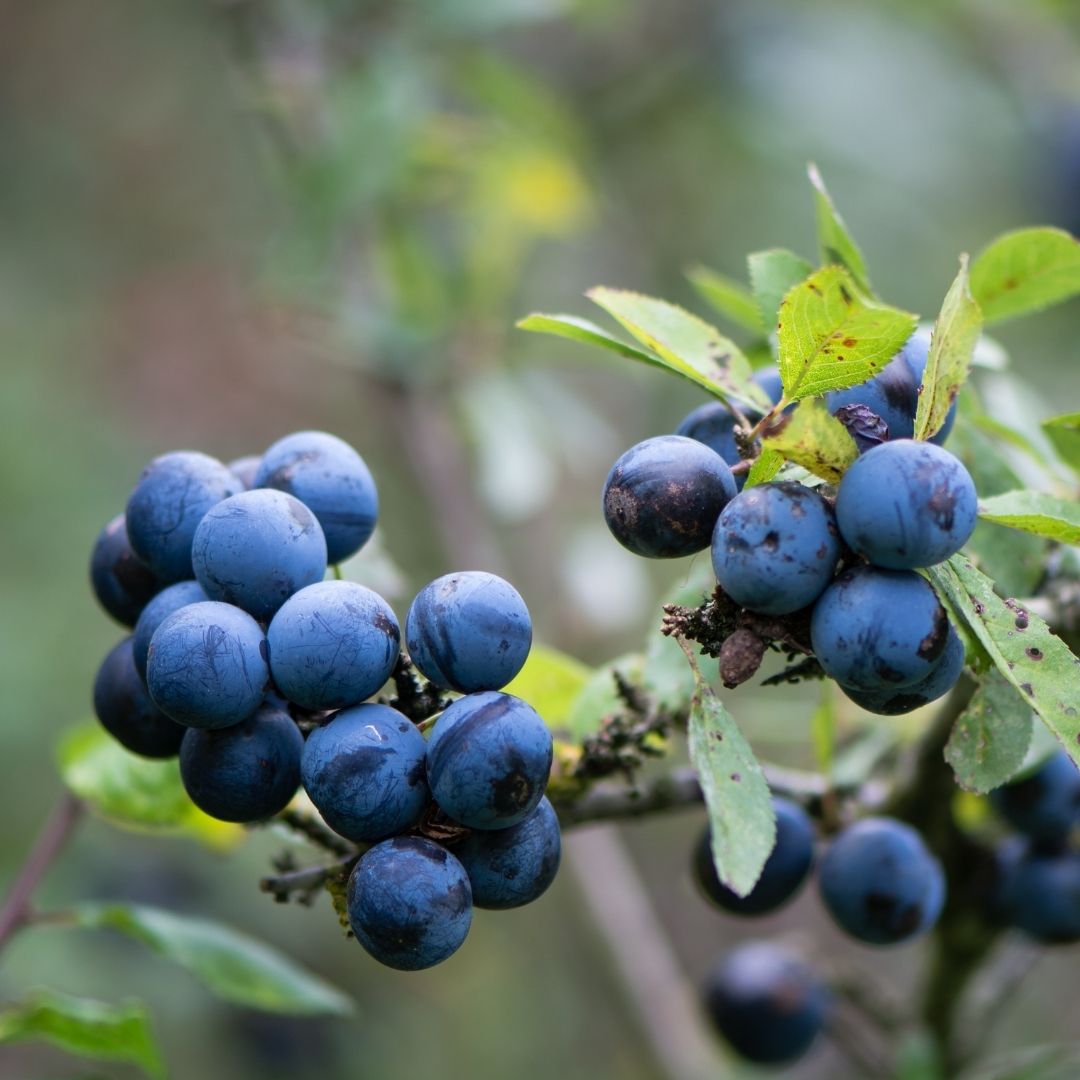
{"x":585,"y":332}
{"x":1064,"y":433}
{"x":685,"y":344}
{"x":952,"y":346}
{"x":830,"y":336}
{"x":550,"y":682}
{"x":767,"y":464}
{"x":1025,"y":271}
{"x":836,"y":243}
{"x":812,"y":437}
{"x":1034,"y":512}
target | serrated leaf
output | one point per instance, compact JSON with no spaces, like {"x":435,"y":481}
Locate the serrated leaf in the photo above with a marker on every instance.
{"x":1034,"y":512}
{"x":812,"y":437}
{"x":550,"y":682}
{"x":740,"y":808}
{"x":730,"y":297}
{"x":85,"y":1027}
{"x":1064,"y":433}
{"x":1021,"y":646}
{"x":685,"y":344}
{"x":1025,"y":271}
{"x":836,"y":243}
{"x":585,"y":332}
{"x":131,"y":791}
{"x":989,"y":742}
{"x":234,"y":966}
{"x":952,"y":347}
{"x":773,"y":274}
{"x":831,"y":337}
{"x":767,"y":464}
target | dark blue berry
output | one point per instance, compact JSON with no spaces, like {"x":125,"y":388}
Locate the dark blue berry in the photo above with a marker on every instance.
{"x":122,"y":582}
{"x":1039,"y":892}
{"x":170,"y":599}
{"x":1045,"y":805}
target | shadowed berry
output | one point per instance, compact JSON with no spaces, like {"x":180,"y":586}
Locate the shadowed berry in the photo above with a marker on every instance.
{"x":245,"y":469}
{"x":330,"y":478}
{"x":880,"y":883}
{"x":246,"y":772}
{"x":489,"y":757}
{"x":157,"y":611}
{"x":364,"y":771}
{"x":511,"y":867}
{"x":206,"y":666}
{"x":170,"y":499}
{"x":766,"y":1002}
{"x":1044,"y":805}
{"x":122,"y":582}
{"x":468,"y":631}
{"x":783,"y":874}
{"x":1039,"y":892}
{"x":775,"y":548}
{"x":663,"y":496}
{"x":126,"y":711}
{"x":879,"y":629}
{"x":893,"y":702}
{"x":409,"y":903}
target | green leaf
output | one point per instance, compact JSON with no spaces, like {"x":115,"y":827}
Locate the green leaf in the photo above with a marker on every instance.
{"x":730,"y":297}
{"x":1025,"y":271}
{"x":685,"y":344}
{"x":599,"y":696}
{"x":765,"y":467}
{"x":1028,"y":655}
{"x":82,"y":1026}
{"x":952,"y":346}
{"x":134,"y":792}
{"x":813,"y":438}
{"x":823,"y":729}
{"x":836,"y":243}
{"x":550,"y":682}
{"x":773,"y":274}
{"x":989,"y":742}
{"x":586,"y":332}
{"x":234,"y":966}
{"x":831,"y":337}
{"x":740,"y":808}
{"x":1034,"y":512}
{"x":1064,"y":433}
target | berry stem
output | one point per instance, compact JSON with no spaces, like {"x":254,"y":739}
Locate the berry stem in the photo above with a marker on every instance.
{"x":16,"y":911}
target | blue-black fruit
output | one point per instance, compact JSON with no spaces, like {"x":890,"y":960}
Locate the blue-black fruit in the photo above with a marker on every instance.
{"x":663,"y":496}
{"x":170,"y":599}
{"x":766,"y":1002}
{"x":1045,"y":805}
{"x":409,"y":903}
{"x":122,"y":582}
{"x":246,"y":772}
{"x":880,"y":883}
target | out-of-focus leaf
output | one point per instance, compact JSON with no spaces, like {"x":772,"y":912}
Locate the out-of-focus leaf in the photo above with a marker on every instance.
{"x":741,"y":815}
{"x":1036,"y":662}
{"x":234,"y":966}
{"x":730,"y":297}
{"x":823,"y":729}
{"x":773,"y":274}
{"x":952,"y":346}
{"x":1025,"y":271}
{"x":835,"y":241}
{"x":599,"y":697}
{"x":685,"y":344}
{"x":1064,"y":433}
{"x":133,"y":791}
{"x":551,"y":682}
{"x":990,"y":740}
{"x":1034,"y":512}
{"x":586,"y":332}
{"x":813,"y":438}
{"x":831,"y":337}
{"x":82,"y":1026}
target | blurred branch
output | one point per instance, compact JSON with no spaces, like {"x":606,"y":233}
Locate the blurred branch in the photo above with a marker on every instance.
{"x":304,"y":884}
{"x":16,"y":910}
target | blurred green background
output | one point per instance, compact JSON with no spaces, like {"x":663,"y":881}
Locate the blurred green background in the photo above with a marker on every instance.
{"x":223,"y":221}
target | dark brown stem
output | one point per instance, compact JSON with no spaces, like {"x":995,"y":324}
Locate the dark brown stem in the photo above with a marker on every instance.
{"x":16,"y":911}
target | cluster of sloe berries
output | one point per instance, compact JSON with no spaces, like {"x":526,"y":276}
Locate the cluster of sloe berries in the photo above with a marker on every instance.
{"x":240,"y":646}
{"x":1038,"y":882}
{"x":783,"y":548}
{"x":877,"y":880}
